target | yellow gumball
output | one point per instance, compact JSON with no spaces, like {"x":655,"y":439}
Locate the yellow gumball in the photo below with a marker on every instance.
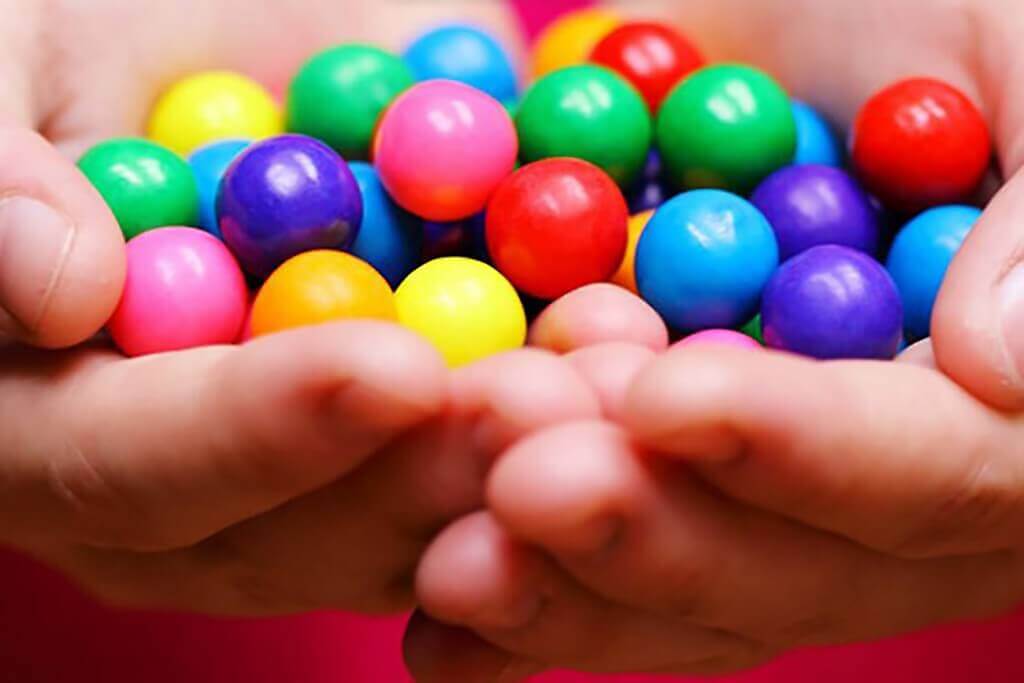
{"x":466,"y":308}
{"x":570,"y":40}
{"x":626,"y":275}
{"x":211,"y":106}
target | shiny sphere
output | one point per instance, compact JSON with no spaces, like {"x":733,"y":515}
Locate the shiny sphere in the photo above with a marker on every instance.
{"x":571,"y":39}
{"x":832,"y":302}
{"x":339,"y":95}
{"x":812,"y":205}
{"x":727,"y":126}
{"x":704,"y":259}
{"x":389,"y":238}
{"x":650,"y":191}
{"x":920,"y":143}
{"x":467,"y":54}
{"x":625,"y":276}
{"x":211,"y":106}
{"x":919,"y":258}
{"x":442,"y":149}
{"x":209,"y":163}
{"x":466,"y":308}
{"x":557,"y":225}
{"x":145,"y":184}
{"x":590,"y":113}
{"x":183,"y":289}
{"x":321,"y":286}
{"x":653,"y":57}
{"x":731,"y":338}
{"x":816,"y":141}
{"x":284,"y":196}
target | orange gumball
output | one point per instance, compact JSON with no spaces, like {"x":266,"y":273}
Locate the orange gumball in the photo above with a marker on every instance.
{"x":570,"y":40}
{"x":626,"y":275}
{"x":318,"y":287}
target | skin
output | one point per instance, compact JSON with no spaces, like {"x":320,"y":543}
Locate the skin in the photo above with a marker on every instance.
{"x":743,"y":504}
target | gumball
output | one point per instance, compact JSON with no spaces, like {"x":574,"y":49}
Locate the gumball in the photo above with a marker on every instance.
{"x":321,"y":286}
{"x":466,"y":54}
{"x":442,"y":149}
{"x":339,"y":95}
{"x":731,"y":338}
{"x":753,"y":330}
{"x":284,"y":196}
{"x":726,"y":126}
{"x":446,"y":239}
{"x":920,"y":257}
{"x":145,"y":185}
{"x":557,"y":225}
{"x":183,"y":289}
{"x":212,"y":106}
{"x":704,"y":259}
{"x":208,"y":165}
{"x":571,"y":39}
{"x":466,"y":308}
{"x":919,"y":143}
{"x":590,"y":113}
{"x":650,"y":191}
{"x":816,"y":142}
{"x":653,"y":57}
{"x":389,"y":238}
{"x":833,"y":302}
{"x":812,"y":205}
{"x":625,"y":276}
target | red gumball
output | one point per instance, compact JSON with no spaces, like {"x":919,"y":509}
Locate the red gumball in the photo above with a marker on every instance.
{"x":921,"y":143}
{"x":557,"y":225}
{"x":653,"y":57}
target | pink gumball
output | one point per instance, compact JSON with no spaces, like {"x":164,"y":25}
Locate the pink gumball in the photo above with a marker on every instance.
{"x":443,"y":147}
{"x":183,"y":289}
{"x":721,"y":338}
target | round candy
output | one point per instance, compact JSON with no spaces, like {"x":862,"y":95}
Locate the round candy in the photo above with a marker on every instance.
{"x":727,"y":126}
{"x":144,"y":184}
{"x":753,"y":330}
{"x":212,"y":106}
{"x":389,"y":238}
{"x":704,"y":259}
{"x":731,"y":338}
{"x":625,"y":276}
{"x":587,"y":112}
{"x":557,"y":225}
{"x":284,"y":196}
{"x":812,"y":205}
{"x":833,"y":302}
{"x":339,"y":94}
{"x":653,"y":57}
{"x":318,"y":287}
{"x":464,"y":307}
{"x":816,"y":142}
{"x":919,"y":143}
{"x":209,"y":164}
{"x":466,"y":54}
{"x":650,"y":191}
{"x":442,"y":149}
{"x":920,"y":257}
{"x":571,"y":39}
{"x":183,"y":289}
{"x":446,"y":239}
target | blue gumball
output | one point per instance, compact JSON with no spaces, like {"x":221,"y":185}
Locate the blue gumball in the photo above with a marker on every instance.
{"x":208,"y":165}
{"x":390,"y":238}
{"x":920,"y":256}
{"x":704,"y":259}
{"x":466,"y":54}
{"x":816,"y":142}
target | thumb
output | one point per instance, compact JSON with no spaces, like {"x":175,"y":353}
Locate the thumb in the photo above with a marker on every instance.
{"x":61,"y":252}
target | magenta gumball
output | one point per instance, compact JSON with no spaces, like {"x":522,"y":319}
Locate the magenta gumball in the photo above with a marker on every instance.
{"x":183,"y":289}
{"x":442,"y":148}
{"x":730,"y":338}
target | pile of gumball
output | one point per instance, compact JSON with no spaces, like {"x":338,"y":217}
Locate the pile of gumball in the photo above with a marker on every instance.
{"x":744,"y":224}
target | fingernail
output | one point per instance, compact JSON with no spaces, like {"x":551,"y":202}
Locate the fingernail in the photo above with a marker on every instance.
{"x":1011,"y":295}
{"x":35,"y":240}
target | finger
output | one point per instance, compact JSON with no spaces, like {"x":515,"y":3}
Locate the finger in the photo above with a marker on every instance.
{"x":477,"y":576}
{"x":610,"y":370}
{"x":598,"y":314}
{"x":62,"y":258}
{"x":644,"y":532}
{"x":834,"y":445}
{"x":163,"y":451}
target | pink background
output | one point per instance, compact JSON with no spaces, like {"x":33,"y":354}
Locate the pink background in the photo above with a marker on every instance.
{"x":49,"y":633}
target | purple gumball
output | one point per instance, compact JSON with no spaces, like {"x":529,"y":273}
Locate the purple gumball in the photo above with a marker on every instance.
{"x":285,"y":196}
{"x":809,"y":206}
{"x":833,"y":302}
